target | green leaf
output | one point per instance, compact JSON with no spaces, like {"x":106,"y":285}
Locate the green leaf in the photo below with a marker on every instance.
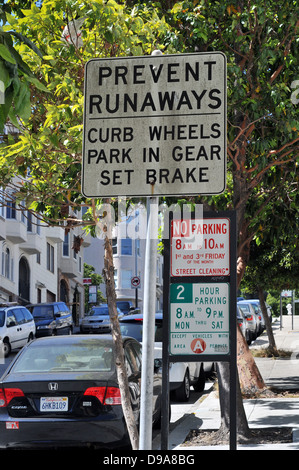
{"x":4,"y":52}
{"x":38,"y":84}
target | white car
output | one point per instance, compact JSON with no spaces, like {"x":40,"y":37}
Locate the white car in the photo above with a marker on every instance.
{"x":182,"y":375}
{"x":17,"y":327}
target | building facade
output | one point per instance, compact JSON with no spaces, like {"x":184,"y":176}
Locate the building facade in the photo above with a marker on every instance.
{"x":128,"y":245}
{"x":38,"y":263}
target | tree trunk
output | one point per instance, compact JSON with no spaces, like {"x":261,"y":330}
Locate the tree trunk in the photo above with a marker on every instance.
{"x":249,"y":375}
{"x":251,"y":381}
{"x":243,"y":430}
{"x":272,"y":345}
{"x":117,"y":339}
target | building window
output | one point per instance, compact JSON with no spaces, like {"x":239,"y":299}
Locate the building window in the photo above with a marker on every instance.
{"x":126,"y":276}
{"x":7,"y":264}
{"x":50,"y":258}
{"x":126,"y":246}
{"x":11,"y":210}
{"x":29,"y":221}
{"x":66,"y":245}
{"x":114,"y":246}
{"x":74,"y":251}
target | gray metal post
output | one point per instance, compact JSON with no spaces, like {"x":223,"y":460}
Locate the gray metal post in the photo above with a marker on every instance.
{"x":148,"y":338}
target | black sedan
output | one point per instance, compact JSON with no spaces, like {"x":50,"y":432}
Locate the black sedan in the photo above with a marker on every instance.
{"x":63,"y":391}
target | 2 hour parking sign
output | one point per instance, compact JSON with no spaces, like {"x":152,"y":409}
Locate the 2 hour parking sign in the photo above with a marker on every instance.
{"x":199,"y":318}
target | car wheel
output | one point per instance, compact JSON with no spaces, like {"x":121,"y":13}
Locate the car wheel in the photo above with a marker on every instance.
{"x":30,"y":338}
{"x":6,"y":348}
{"x":199,"y":386}
{"x":183,"y":392}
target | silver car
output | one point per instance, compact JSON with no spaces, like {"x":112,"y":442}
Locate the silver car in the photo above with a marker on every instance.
{"x":251,"y":319}
{"x":97,"y":320}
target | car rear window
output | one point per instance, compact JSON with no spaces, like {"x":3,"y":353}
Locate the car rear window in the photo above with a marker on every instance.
{"x":135,"y":329}
{"x":68,"y":357}
{"x":98,"y":311}
{"x":42,"y":311}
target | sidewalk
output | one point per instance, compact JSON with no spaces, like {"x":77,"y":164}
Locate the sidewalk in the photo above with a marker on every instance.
{"x":277,"y":412}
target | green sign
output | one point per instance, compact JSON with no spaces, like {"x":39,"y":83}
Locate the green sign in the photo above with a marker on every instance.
{"x":199,"y":318}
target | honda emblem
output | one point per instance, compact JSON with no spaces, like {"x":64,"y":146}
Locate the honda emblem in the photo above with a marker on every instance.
{"x":52,"y":386}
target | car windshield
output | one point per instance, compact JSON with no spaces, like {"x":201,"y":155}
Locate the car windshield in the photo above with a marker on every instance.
{"x":2,"y":317}
{"x":135,"y":329}
{"x":98,"y":311}
{"x":76,"y":357}
{"x":42,"y":311}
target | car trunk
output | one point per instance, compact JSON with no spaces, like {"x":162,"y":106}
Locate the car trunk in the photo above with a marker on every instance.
{"x":52,"y":396}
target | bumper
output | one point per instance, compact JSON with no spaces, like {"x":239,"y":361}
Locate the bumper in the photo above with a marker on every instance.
{"x":38,"y":434}
{"x":95,"y":329}
{"x":43,"y":332}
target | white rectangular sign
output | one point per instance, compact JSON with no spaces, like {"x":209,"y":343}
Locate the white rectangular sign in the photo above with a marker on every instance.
{"x":200,"y":247}
{"x":199,"y":318}
{"x":155,"y":125}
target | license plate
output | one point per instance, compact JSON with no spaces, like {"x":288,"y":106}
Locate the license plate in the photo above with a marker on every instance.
{"x":53,"y":403}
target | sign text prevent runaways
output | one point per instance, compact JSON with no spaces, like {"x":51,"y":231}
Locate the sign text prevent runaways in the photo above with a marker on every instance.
{"x":155,"y":125}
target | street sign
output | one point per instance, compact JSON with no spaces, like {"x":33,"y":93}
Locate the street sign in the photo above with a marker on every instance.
{"x":200,"y":247}
{"x":135,"y":281}
{"x":155,"y":125}
{"x":199,"y":306}
{"x":199,"y":318}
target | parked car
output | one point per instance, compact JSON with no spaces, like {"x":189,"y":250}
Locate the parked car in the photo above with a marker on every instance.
{"x":242,"y":322}
{"x":125,"y":306}
{"x":258,"y":312}
{"x":17,"y":327}
{"x":251,"y":308}
{"x":257,"y":302}
{"x":97,"y":320}
{"x":63,"y":391}
{"x":181,"y":374}
{"x":251,"y":319}
{"x":52,"y":318}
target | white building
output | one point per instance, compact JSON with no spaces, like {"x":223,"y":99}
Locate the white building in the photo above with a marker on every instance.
{"x":128,"y":244}
{"x":37,"y":263}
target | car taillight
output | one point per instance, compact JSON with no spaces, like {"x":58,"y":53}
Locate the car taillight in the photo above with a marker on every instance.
{"x":112,"y":396}
{"x":107,"y":396}
{"x":8,"y":394}
{"x":249,"y":317}
{"x":2,"y":398}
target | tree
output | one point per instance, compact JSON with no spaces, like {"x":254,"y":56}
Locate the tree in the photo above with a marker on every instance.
{"x":96,"y":280}
{"x":50,"y":141}
{"x":259,"y":41}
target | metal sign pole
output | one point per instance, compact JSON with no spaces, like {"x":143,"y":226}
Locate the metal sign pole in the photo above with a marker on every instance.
{"x":148,"y":339}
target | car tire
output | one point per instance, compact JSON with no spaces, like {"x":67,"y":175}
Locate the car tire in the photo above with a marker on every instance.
{"x":199,"y":386}
{"x":183,"y":392}
{"x":30,"y":338}
{"x":6,"y":348}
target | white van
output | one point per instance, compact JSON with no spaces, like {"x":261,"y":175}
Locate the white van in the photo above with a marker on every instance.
{"x":17,"y":327}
